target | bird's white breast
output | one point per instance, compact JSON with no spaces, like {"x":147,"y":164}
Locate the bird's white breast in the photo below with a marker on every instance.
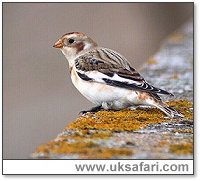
{"x":99,"y":93}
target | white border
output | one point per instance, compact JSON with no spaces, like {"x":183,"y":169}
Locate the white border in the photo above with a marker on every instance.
{"x":69,"y":167}
{"x":15,"y":165}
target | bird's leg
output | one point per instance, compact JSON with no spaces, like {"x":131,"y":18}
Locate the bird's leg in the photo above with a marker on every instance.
{"x":135,"y":107}
{"x":93,"y":109}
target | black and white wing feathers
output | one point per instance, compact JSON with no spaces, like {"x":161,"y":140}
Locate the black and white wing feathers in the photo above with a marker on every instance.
{"x":107,"y":66}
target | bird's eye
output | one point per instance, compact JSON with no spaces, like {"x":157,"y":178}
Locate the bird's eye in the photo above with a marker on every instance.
{"x":71,"y":41}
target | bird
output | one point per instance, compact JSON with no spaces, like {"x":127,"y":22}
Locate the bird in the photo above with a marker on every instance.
{"x":106,"y":78}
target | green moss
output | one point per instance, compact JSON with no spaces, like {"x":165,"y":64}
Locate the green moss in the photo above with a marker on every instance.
{"x":181,"y":149}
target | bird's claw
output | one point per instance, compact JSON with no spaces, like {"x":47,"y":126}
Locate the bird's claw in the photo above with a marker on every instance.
{"x":92,"y":110}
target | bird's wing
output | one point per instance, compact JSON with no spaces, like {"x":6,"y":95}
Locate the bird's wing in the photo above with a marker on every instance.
{"x":107,"y":66}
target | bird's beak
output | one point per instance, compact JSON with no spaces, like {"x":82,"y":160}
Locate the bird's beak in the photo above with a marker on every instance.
{"x":58,"y":44}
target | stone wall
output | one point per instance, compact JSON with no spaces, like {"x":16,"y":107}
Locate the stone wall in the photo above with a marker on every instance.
{"x":141,"y":133}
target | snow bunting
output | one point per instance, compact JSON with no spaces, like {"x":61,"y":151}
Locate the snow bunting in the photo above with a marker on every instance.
{"x":106,"y":78}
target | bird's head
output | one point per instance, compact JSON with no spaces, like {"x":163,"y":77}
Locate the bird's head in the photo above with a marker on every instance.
{"x":73,"y":44}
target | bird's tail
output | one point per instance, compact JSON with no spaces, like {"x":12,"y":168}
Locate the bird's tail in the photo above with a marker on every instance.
{"x":172,"y":113}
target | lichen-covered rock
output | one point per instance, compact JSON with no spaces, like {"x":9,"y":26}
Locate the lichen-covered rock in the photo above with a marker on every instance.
{"x":171,"y":68}
{"x":141,"y":133}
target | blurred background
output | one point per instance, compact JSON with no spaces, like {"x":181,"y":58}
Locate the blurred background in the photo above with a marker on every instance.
{"x":39,"y":99}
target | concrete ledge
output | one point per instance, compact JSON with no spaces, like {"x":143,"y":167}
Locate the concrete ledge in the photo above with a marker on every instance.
{"x":141,"y":133}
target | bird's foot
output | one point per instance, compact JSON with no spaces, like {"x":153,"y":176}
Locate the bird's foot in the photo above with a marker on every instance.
{"x":92,"y":110}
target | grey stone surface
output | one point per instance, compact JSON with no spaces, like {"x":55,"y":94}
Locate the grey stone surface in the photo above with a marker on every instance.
{"x":171,"y":69}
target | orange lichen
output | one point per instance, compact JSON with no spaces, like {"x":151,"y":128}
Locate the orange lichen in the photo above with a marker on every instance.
{"x":183,"y":106}
{"x":162,"y":143}
{"x":174,"y":76}
{"x":151,"y":61}
{"x":181,"y":149}
{"x":83,"y":149}
{"x":85,"y":134}
{"x":175,"y":37}
{"x":128,"y":120}
{"x":81,"y":136}
{"x":183,"y":130}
